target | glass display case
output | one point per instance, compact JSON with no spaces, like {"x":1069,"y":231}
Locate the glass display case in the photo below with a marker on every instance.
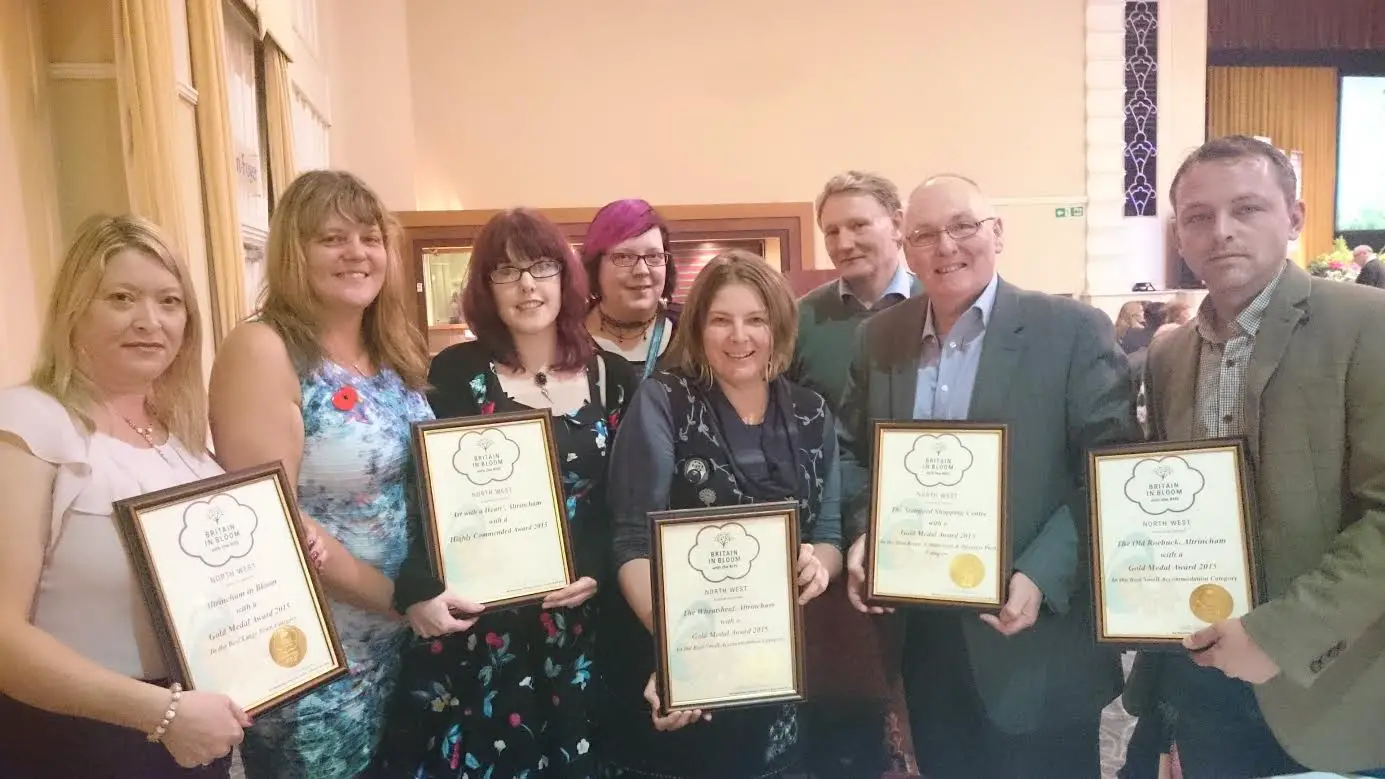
{"x":437,"y":250}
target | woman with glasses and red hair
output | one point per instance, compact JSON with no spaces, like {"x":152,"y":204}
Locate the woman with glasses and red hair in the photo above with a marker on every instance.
{"x":632,"y":277}
{"x":507,"y":694}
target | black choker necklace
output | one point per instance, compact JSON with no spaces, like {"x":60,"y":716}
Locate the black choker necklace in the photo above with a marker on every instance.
{"x":611,"y":323}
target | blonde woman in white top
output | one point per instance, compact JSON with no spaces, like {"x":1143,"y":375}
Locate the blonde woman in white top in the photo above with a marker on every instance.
{"x":115,"y":408}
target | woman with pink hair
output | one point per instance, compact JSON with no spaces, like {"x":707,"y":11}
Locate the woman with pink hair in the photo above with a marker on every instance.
{"x":632,"y":277}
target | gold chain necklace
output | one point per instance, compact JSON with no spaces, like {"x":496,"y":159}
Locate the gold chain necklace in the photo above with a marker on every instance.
{"x":147,"y":433}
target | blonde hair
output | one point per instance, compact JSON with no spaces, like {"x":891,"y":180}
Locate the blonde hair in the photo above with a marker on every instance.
{"x":292,"y":308}
{"x":737,"y":266}
{"x":1177,"y":312}
{"x":179,"y":397}
{"x":860,"y":182}
{"x":1131,"y":315}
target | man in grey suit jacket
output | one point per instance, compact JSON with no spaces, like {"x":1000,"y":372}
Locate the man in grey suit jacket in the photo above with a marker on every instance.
{"x":1297,"y":366}
{"x":1018,"y":693}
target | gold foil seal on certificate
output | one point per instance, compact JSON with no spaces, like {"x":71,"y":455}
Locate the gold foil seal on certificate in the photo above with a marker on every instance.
{"x":966,"y":571}
{"x":287,"y":646}
{"x":1210,"y":603}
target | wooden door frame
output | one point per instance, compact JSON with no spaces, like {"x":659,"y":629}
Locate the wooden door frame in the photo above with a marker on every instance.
{"x":792,"y":223}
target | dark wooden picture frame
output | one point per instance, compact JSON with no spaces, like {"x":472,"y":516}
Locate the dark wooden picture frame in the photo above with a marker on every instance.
{"x":431,"y":532}
{"x":1239,"y":449}
{"x":129,"y":514}
{"x":659,"y":521}
{"x":1004,"y":540}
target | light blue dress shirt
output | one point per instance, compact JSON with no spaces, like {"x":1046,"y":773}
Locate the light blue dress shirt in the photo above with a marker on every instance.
{"x":901,"y":284}
{"x":947,"y":366}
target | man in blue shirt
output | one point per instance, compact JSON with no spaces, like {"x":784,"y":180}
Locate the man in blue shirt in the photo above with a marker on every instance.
{"x":1017,"y":693}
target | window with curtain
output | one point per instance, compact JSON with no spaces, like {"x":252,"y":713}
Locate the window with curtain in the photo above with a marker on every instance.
{"x":243,"y":90}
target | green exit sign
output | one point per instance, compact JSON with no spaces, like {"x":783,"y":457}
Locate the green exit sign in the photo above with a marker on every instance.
{"x":1060,"y":213}
{"x":1065,"y":212}
{"x":1075,"y":211}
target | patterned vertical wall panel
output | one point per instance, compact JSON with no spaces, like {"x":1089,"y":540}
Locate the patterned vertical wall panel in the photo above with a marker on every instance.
{"x":1141,"y":106}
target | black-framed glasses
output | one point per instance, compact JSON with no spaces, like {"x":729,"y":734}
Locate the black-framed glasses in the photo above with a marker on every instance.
{"x":539,"y":269}
{"x":628,"y":259}
{"x":957,"y":231}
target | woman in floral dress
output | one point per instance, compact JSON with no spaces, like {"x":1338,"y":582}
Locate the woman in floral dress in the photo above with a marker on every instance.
{"x":496,"y":695}
{"x":327,"y":379}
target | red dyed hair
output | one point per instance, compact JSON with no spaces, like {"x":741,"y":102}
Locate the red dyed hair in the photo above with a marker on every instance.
{"x":620,"y":221}
{"x":524,"y":235}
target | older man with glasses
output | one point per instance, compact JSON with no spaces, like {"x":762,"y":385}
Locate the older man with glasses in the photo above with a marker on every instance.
{"x":1372,"y":274}
{"x":1017,"y":693}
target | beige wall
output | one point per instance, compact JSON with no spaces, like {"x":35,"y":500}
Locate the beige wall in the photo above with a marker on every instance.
{"x":575,"y":104}
{"x":372,"y":131}
{"x":444,"y":105}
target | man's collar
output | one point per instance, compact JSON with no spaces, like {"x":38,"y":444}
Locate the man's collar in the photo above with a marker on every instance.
{"x":984,"y":304}
{"x":900,"y":284}
{"x":1250,"y":318}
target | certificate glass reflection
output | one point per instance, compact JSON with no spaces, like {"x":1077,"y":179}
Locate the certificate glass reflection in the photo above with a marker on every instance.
{"x":1173,"y":550}
{"x":938,"y":533}
{"x":233,"y":596}
{"x":494,"y":515}
{"x":727,"y":620}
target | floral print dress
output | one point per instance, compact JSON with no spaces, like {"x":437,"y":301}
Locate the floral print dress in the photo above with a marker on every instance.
{"x":511,"y":697}
{"x":355,"y":480}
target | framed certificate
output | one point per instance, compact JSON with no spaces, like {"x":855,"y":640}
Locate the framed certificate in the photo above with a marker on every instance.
{"x":234,"y":598}
{"x":727,"y":624}
{"x":939,"y":533}
{"x":1173,"y":543}
{"x":494,"y":515}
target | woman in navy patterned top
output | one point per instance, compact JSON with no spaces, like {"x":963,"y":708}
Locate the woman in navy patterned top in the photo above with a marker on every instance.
{"x":720,"y":427}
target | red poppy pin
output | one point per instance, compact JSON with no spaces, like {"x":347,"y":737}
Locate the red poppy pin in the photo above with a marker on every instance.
{"x":345,"y":398}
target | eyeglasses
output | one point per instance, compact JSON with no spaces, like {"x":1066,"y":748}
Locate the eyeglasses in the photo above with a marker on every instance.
{"x":538,"y":269}
{"x":628,"y":259}
{"x":957,"y":231}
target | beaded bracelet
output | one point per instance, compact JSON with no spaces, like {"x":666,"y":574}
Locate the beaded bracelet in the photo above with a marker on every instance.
{"x":158,"y":734}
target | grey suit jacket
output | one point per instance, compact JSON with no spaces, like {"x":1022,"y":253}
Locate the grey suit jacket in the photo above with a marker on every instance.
{"x":1050,"y":369}
{"x":1315,"y":423}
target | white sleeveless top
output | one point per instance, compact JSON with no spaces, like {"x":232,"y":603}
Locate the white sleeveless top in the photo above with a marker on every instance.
{"x":88,"y":596}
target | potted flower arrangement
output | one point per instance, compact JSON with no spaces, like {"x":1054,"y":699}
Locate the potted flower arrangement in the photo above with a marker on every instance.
{"x":1337,"y":264}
